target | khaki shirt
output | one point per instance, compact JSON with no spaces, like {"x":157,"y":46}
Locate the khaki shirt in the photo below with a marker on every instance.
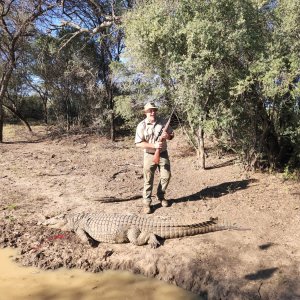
{"x":147,"y":132}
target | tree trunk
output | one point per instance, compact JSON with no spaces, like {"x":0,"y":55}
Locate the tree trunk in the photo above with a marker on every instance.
{"x":3,"y":88}
{"x":1,"y":119}
{"x":201,"y":150}
{"x":45,"y":113}
{"x":109,"y":90}
{"x":268,"y":140}
{"x":68,"y":113}
{"x":112,"y":127}
{"x":18,"y":115}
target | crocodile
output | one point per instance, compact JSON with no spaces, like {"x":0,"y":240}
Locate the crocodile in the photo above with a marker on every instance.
{"x":124,"y":228}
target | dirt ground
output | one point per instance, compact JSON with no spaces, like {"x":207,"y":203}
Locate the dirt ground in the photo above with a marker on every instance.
{"x":42,"y":176}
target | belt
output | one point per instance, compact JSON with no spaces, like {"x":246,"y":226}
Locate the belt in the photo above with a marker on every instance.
{"x":163,"y":152}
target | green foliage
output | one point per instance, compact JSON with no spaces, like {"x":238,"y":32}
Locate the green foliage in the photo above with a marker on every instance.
{"x":123,"y":109}
{"x":204,"y":47}
{"x":275,"y":79}
{"x":11,"y":206}
{"x":232,"y":65}
{"x":152,"y":36}
{"x":135,"y":89}
{"x":32,"y":108}
{"x":67,"y":78}
{"x":293,"y":174}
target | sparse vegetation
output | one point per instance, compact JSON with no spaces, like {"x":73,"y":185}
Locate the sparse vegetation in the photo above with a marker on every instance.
{"x":43,"y":177}
{"x":231,"y":67}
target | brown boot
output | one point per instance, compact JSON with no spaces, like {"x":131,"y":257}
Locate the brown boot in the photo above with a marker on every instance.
{"x":147,"y":208}
{"x":164,"y":202}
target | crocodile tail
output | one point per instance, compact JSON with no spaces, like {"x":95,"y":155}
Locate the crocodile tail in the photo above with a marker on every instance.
{"x":177,"y":231}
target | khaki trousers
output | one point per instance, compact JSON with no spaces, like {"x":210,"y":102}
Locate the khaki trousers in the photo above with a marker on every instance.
{"x":149,"y":171}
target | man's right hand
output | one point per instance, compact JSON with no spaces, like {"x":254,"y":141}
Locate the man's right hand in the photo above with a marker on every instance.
{"x":158,"y":145}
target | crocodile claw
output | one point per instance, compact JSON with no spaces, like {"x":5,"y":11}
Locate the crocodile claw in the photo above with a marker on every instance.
{"x":153,"y":242}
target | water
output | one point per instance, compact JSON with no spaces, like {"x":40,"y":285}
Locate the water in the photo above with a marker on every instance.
{"x":24,"y":283}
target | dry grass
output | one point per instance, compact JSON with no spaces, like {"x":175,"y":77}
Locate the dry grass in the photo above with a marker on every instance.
{"x":19,"y":133}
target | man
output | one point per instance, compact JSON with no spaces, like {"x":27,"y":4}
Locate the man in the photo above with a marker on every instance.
{"x":146,"y":137}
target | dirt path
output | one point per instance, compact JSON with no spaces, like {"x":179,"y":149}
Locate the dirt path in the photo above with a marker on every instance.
{"x":48,"y":177}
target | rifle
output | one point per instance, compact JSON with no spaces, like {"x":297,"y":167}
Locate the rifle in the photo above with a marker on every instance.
{"x":156,"y":156}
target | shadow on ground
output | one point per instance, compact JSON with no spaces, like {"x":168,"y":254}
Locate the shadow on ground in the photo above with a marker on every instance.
{"x":217,"y":190}
{"x":261,"y":274}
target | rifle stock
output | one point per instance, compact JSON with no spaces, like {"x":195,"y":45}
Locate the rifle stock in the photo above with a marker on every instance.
{"x":156,"y":156}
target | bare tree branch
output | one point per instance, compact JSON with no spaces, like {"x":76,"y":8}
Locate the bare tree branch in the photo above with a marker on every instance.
{"x":15,"y":30}
{"x":70,"y":39}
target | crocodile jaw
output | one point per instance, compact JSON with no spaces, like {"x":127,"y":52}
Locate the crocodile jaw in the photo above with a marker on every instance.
{"x":58,"y":222}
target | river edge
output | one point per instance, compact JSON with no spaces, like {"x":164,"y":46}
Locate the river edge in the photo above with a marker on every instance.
{"x":31,"y":283}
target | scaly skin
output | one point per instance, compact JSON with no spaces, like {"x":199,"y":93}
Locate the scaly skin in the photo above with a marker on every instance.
{"x":124,"y":228}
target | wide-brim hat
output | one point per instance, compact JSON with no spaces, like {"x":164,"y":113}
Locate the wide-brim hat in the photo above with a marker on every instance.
{"x":150,"y":105}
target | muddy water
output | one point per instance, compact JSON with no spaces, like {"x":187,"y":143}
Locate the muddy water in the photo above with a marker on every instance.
{"x":24,"y":283}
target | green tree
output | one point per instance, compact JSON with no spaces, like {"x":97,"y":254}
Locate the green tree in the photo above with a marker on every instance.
{"x":273,"y":89}
{"x":201,"y":50}
{"x":66,"y":80}
{"x":17,"y":20}
{"x":134,"y":88}
{"x":16,"y":95}
{"x":99,"y":20}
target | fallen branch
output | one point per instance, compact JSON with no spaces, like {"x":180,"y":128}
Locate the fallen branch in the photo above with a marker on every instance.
{"x":113,"y":199}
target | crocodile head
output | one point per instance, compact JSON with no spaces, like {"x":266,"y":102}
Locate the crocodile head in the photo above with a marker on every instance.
{"x":59,"y":221}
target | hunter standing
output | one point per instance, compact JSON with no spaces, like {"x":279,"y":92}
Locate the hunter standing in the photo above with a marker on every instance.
{"x":148,"y":135}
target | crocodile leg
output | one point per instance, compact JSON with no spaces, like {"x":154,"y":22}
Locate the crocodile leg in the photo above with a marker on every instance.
{"x":138,"y":238}
{"x":82,"y":235}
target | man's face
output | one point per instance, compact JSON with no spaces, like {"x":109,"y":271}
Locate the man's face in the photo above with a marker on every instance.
{"x":151,"y":115}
